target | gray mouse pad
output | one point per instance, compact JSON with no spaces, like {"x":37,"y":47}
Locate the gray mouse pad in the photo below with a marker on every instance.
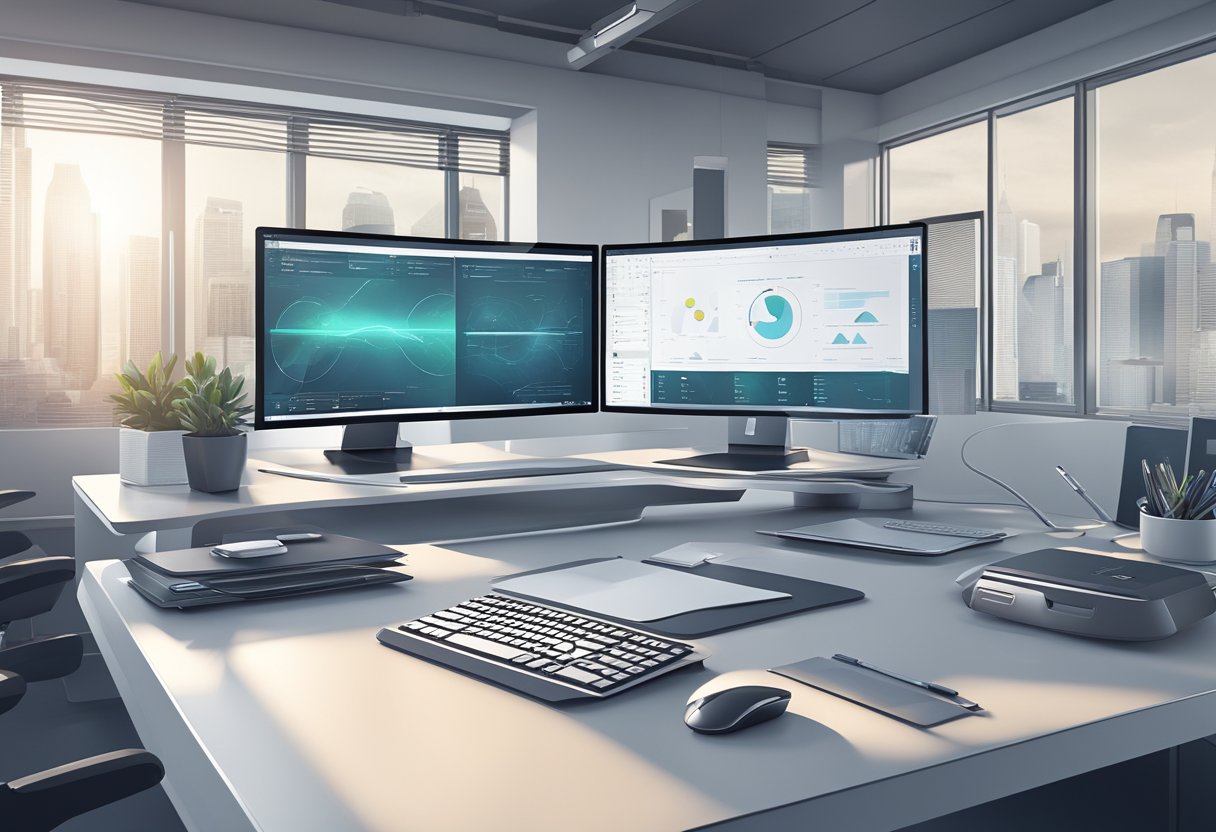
{"x":874,"y":691}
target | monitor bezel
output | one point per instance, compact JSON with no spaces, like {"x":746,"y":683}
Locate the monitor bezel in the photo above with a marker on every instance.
{"x":263,"y":232}
{"x":795,"y":413}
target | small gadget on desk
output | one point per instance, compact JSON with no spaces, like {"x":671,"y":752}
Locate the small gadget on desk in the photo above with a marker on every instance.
{"x":1091,"y":595}
{"x":905,"y":537}
{"x":299,"y":537}
{"x":250,"y":549}
{"x":733,"y":709}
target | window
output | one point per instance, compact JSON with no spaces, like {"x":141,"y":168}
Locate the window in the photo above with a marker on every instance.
{"x":126,"y":223}
{"x":942,"y":181}
{"x":1102,"y":305}
{"x":1032,"y":280}
{"x":793,"y":173}
{"x":1153,"y":178}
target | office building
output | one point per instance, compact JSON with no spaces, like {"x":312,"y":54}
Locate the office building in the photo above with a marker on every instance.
{"x":15,"y":205}
{"x":71,"y":278}
{"x":1132,"y":320}
{"x":219,"y":268}
{"x":731,"y":325}
{"x":142,"y":321}
{"x":369,"y":212}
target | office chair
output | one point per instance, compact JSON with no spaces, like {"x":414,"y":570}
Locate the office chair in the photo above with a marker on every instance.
{"x":44,"y":800}
{"x":12,"y":543}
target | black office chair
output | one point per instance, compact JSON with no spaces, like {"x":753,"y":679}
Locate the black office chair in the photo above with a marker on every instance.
{"x":42,"y":801}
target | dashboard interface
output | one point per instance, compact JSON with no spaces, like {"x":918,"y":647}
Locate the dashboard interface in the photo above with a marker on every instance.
{"x":397,"y":328}
{"x":810,"y":323}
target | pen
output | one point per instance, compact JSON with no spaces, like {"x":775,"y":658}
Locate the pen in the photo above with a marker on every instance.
{"x":1076,"y":486}
{"x":931,"y":686}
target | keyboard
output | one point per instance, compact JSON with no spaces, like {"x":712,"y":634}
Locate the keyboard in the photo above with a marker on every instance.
{"x":546,"y":652}
{"x":943,"y":529}
{"x":507,"y":470}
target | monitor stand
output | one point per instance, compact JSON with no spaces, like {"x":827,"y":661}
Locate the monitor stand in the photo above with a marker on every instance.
{"x":754,"y":443}
{"x":371,"y":448}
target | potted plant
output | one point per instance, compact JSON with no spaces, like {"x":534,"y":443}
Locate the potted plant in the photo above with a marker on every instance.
{"x":150,"y":436}
{"x":213,"y":411}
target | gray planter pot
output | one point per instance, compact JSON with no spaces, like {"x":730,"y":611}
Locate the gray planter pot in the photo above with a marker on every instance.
{"x":215,"y":463}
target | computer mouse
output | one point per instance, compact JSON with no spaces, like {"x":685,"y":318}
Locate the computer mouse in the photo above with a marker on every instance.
{"x":734,"y":709}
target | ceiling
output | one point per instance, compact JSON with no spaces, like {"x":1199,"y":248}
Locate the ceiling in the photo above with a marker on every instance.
{"x":870,"y":46}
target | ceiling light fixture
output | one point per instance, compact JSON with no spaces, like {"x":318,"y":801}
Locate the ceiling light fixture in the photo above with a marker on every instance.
{"x":625,"y":23}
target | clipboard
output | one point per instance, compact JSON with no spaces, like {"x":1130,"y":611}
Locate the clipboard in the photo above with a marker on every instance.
{"x":805,"y":595}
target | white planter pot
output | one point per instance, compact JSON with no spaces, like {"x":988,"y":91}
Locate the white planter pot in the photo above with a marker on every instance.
{"x":1189,"y":541}
{"x":151,"y":458}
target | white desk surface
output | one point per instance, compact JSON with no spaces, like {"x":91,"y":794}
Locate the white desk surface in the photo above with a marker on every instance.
{"x":288,"y":716}
{"x":127,"y":509}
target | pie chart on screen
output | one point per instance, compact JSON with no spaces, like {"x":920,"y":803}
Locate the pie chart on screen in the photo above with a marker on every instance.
{"x":773,"y":318}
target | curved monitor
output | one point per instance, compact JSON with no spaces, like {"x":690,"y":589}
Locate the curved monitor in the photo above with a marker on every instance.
{"x":816,"y":325}
{"x":363,"y":328}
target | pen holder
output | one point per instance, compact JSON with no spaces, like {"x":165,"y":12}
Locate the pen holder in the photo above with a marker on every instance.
{"x":1190,"y":541}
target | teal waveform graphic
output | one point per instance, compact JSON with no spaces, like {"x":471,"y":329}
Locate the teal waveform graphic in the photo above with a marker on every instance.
{"x":312,"y":335}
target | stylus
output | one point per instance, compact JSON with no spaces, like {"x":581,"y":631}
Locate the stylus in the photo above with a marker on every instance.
{"x":1076,"y":486}
{"x":932,"y":686}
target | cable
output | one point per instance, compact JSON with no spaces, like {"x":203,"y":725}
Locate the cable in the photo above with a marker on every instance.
{"x":962,"y":453}
{"x":968,"y":502}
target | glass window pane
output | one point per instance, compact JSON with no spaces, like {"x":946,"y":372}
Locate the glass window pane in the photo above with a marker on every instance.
{"x":483,"y":207}
{"x":1032,"y":302}
{"x":947,"y":174}
{"x":229,"y":193}
{"x":1153,"y":181}
{"x":943,"y":174}
{"x":789,"y":209}
{"x":80,"y":291}
{"x":375,"y":198}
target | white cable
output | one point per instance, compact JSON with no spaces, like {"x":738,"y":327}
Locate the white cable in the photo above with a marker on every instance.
{"x":962,"y":452}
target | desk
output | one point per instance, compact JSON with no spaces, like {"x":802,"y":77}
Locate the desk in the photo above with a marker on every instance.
{"x":288,"y":716}
{"x":112,"y":517}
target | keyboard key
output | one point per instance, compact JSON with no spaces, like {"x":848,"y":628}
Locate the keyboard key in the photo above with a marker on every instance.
{"x":481,"y":645}
{"x":578,"y":675}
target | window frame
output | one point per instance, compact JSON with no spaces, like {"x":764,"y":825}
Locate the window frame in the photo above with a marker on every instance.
{"x":298,"y":121}
{"x":1086,"y":267}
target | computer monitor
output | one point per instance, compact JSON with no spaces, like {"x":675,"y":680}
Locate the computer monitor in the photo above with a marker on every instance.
{"x":369,"y":330}
{"x":816,"y":325}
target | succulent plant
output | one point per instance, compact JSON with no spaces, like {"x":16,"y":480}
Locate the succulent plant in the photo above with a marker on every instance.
{"x":147,"y":399}
{"x":214,"y":403}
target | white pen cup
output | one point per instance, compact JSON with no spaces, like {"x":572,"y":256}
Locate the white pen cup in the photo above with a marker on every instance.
{"x":1188,"y":541}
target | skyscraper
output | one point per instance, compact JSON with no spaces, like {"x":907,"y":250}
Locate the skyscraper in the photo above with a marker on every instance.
{"x":1044,"y":341}
{"x":141,"y":288}
{"x":1185,"y":257}
{"x":1006,"y":299}
{"x":1131,"y":331}
{"x":476,"y":222}
{"x":218,"y":261}
{"x":15,"y":200}
{"x":368,"y":212}
{"x":71,"y":277}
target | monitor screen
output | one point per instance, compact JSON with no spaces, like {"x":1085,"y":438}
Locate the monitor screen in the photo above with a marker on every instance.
{"x":823,"y":324}
{"x":371,"y":328}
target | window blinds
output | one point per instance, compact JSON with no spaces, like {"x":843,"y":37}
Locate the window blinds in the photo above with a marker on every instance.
{"x":39,"y":105}
{"x":793,"y":165}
